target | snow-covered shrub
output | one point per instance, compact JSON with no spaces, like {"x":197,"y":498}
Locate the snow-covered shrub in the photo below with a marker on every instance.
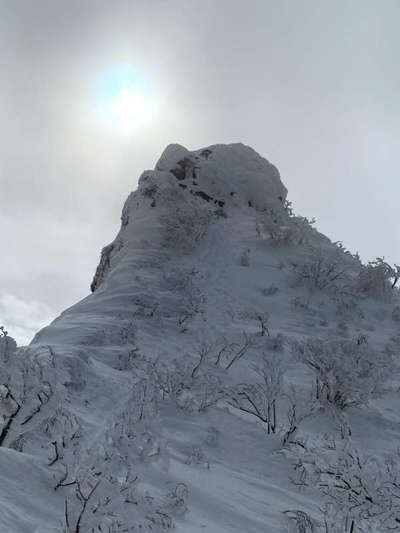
{"x":26,"y":386}
{"x":63,"y":432}
{"x":262,"y":317}
{"x":260,"y":398}
{"x":189,"y":382}
{"x":346,"y":372}
{"x":184,"y":226}
{"x":150,"y":188}
{"x":282,"y":226}
{"x":102,"y":491}
{"x":323,"y":270}
{"x":377,"y":279}
{"x":142,"y":403}
{"x":195,"y":456}
{"x":190,"y":299}
{"x":176,"y":500}
{"x":127,"y":356}
{"x":300,"y":521}
{"x":245,"y":258}
{"x":300,"y":406}
{"x":190,"y":305}
{"x":360,"y":493}
{"x":101,"y":501}
{"x":347,"y":308}
{"x":193,"y":382}
{"x":204,"y":392}
{"x":212,"y":436}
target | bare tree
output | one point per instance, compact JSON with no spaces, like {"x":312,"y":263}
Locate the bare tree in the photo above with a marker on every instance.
{"x":259,"y":399}
{"x":299,"y":409}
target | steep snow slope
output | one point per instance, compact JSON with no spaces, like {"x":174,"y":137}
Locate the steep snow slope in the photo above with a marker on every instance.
{"x":203,"y":282}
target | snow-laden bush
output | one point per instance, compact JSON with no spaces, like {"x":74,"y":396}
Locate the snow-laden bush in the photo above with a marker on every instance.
{"x":26,"y":386}
{"x":300,"y":521}
{"x":99,"y":501}
{"x":283,"y":226}
{"x":245,"y":258}
{"x":182,"y":283}
{"x":347,"y":307}
{"x":63,"y":432}
{"x":185,"y":225}
{"x":360,"y":493}
{"x":377,"y":279}
{"x":323,"y":270}
{"x":194,"y":382}
{"x":188,"y":382}
{"x":260,"y":317}
{"x":189,"y":305}
{"x":346,"y":372}
{"x":101,"y":489}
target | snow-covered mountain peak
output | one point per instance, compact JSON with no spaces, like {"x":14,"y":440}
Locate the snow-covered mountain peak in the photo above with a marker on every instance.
{"x":225,"y":173}
{"x":192,"y":184}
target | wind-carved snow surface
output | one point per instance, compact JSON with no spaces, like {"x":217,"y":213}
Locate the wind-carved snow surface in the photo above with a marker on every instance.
{"x":232,"y":371}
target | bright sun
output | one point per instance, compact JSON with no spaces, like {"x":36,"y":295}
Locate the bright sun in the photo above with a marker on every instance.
{"x":128,"y":102}
{"x":132,"y":109}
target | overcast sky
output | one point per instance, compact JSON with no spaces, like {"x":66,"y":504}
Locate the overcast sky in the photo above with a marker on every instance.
{"x":312,"y":85}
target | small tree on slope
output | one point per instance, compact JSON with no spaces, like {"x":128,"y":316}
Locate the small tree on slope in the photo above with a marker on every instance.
{"x":346,"y":372}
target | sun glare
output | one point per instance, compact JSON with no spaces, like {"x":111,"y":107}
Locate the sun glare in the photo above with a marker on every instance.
{"x":128,"y":103}
{"x":132,"y":109}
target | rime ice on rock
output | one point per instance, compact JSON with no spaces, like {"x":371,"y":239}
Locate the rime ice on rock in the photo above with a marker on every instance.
{"x":222,"y":175}
{"x":231,"y":173}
